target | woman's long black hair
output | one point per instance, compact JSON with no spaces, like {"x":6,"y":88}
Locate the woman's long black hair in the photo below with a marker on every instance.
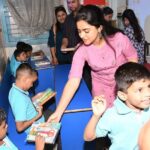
{"x":93,"y":15}
{"x":58,"y":24}
{"x":130,"y":15}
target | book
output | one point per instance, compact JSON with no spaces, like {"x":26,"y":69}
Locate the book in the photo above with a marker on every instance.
{"x":33,"y":58}
{"x":68,"y":49}
{"x":47,"y":95}
{"x":48,"y":130}
{"x":42,"y":64}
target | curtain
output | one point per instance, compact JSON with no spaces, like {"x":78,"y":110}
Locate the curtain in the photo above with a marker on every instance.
{"x":33,"y":17}
{"x":2,"y":56}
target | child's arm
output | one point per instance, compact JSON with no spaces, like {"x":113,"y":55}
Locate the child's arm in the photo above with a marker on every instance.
{"x":22,"y":125}
{"x":99,"y":106}
{"x":39,"y":142}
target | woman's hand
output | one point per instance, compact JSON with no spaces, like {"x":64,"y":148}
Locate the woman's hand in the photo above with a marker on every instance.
{"x":55,"y":117}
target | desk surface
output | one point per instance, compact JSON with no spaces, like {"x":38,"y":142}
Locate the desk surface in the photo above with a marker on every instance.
{"x":82,"y":98}
{"x":73,"y":124}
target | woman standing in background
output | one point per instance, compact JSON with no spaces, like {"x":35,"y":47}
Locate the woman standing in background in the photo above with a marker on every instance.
{"x":55,"y":37}
{"x":134,"y":32}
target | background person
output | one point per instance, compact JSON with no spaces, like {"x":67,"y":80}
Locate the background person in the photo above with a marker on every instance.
{"x":108,"y":13}
{"x":134,"y":32}
{"x":55,"y":37}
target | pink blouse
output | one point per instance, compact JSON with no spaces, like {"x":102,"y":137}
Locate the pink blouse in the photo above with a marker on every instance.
{"x":103,"y":62}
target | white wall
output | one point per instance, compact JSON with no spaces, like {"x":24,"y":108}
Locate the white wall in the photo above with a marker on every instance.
{"x":142,"y":10}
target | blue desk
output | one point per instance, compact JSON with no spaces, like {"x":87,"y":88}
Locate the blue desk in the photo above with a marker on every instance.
{"x":73,"y":124}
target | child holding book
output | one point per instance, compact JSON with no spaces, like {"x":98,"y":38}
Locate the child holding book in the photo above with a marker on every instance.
{"x":130,"y":111}
{"x":5,"y":142}
{"x":24,"y":111}
{"x":21,"y":102}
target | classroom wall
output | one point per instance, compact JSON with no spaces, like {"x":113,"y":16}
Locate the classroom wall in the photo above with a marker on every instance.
{"x":142,"y":10}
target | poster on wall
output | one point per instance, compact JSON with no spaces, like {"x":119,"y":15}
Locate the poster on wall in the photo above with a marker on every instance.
{"x":96,"y":2}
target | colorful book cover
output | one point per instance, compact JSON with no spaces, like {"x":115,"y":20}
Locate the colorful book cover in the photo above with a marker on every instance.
{"x":47,"y":95}
{"x":48,"y":130}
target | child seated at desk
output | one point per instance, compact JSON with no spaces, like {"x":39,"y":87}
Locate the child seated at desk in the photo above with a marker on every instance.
{"x":21,"y":54}
{"x":122,"y":122}
{"x":5,"y":143}
{"x":21,"y":102}
{"x":18,"y":58}
{"x":24,"y":112}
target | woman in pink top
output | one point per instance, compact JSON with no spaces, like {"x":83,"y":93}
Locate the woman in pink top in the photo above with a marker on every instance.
{"x":104,"y":48}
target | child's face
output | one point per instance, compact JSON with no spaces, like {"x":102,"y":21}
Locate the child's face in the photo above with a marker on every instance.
{"x":23,"y":57}
{"x":3,"y":130}
{"x":28,"y":83}
{"x":138,"y":95}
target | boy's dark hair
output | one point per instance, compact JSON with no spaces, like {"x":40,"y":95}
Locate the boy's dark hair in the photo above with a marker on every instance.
{"x":24,"y":46}
{"x":17,"y":52}
{"x":25,"y":68}
{"x":107,"y":10}
{"x":27,"y":47}
{"x":20,"y":44}
{"x":129,"y":73}
{"x":2,"y":115}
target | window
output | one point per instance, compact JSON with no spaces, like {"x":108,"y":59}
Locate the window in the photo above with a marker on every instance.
{"x":11,"y":32}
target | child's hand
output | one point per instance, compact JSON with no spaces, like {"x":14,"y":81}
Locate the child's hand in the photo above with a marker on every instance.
{"x":39,"y":110}
{"x":98,"y":105}
{"x":39,"y":142}
{"x":37,"y":96}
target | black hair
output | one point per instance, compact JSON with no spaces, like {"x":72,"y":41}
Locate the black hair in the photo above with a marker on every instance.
{"x":20,"y":44}
{"x":107,"y":10}
{"x":27,"y":47}
{"x":17,"y":52}
{"x":129,"y":73}
{"x":25,"y":68}
{"x":23,"y":46}
{"x":58,"y":24}
{"x":93,"y":15}
{"x":2,"y":115}
{"x":130,"y":15}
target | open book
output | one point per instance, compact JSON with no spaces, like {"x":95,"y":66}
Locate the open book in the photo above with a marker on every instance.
{"x":47,"y":95}
{"x":48,"y":130}
{"x":38,"y":55}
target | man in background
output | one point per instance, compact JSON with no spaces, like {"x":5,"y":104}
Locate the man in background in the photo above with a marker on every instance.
{"x":71,"y":37}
